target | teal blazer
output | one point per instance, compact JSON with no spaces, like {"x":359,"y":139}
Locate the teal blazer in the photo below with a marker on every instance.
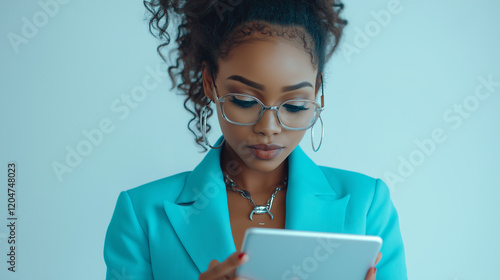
{"x":173,"y":227}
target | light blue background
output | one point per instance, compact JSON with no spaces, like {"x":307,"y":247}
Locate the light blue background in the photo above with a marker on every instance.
{"x":380,"y":100}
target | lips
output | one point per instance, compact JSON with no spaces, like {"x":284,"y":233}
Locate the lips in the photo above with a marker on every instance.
{"x":265,"y":151}
{"x":266,"y":147}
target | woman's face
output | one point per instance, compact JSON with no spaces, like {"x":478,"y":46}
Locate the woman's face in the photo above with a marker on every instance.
{"x":263,"y":68}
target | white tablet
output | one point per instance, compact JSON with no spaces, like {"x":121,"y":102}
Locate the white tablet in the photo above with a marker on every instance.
{"x":283,"y":254}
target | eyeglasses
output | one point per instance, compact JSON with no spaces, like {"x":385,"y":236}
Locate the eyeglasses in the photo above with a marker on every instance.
{"x":244,"y":109}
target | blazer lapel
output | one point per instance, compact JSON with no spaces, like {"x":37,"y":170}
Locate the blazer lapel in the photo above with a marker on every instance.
{"x":311,"y":202}
{"x":200,"y":215}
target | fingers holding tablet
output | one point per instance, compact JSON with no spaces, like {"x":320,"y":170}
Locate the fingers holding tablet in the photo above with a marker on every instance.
{"x":226,"y":269}
{"x":379,"y":256}
{"x":372,"y":271}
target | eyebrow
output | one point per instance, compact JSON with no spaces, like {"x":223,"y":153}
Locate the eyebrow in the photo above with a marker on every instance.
{"x":261,"y":87}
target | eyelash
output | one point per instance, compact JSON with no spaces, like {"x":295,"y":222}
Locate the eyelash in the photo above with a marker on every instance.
{"x":247,"y":104}
{"x":242,"y":103}
{"x":294,"y":108}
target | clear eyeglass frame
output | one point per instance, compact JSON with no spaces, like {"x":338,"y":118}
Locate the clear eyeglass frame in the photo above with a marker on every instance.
{"x":317,"y":108}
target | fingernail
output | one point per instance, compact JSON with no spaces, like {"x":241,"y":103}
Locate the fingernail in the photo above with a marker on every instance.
{"x":240,"y":256}
{"x":374,"y":270}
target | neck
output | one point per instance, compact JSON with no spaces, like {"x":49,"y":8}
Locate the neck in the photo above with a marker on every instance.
{"x":252,"y":180}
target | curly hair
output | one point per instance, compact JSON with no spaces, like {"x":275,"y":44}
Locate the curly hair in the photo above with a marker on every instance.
{"x":209,"y":29}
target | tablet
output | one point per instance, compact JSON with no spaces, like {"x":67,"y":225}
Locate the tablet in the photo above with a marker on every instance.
{"x":284,"y":254}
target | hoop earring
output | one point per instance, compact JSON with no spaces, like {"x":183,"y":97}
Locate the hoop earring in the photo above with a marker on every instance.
{"x":322,"y":134}
{"x":204,"y":116}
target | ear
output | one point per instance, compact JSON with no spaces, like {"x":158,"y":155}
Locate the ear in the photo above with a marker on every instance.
{"x":208,"y":85}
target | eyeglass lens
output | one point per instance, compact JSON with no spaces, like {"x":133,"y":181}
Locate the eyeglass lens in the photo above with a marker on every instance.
{"x":245,"y":109}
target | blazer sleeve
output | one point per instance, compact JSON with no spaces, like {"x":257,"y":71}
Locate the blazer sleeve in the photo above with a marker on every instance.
{"x":126,"y":247}
{"x":382,"y":220}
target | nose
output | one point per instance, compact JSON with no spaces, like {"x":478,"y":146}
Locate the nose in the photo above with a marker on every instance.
{"x":268,"y":124}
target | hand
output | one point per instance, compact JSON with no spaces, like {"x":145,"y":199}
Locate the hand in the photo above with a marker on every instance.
{"x":371,"y":272}
{"x":225,"y":270}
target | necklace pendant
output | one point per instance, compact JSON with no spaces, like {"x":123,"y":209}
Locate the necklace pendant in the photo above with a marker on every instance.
{"x":261,"y":209}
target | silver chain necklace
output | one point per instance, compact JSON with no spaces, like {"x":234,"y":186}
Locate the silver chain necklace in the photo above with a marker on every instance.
{"x":258,"y":209}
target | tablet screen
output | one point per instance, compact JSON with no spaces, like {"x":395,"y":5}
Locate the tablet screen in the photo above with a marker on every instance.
{"x":293,"y":254}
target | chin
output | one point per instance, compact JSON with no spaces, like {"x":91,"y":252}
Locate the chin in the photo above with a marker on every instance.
{"x":266,"y":165}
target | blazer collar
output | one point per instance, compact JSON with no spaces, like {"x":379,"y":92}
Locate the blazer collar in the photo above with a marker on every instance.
{"x":200,"y":215}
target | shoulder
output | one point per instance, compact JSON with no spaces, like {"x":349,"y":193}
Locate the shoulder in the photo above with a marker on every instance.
{"x":345,"y":175}
{"x":144,"y":205}
{"x":167,"y":188}
{"x":346,"y":181}
{"x":362,"y":188}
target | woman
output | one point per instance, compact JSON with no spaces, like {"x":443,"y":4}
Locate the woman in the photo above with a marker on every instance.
{"x":261,"y":63}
